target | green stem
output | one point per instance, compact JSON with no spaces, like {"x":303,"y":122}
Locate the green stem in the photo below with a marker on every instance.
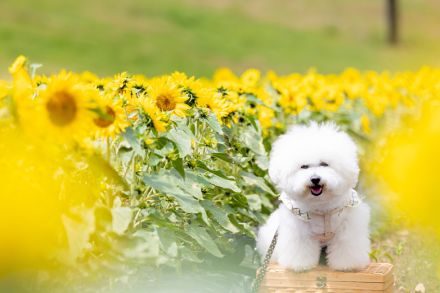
{"x":133,"y":182}
{"x":128,"y":166}
{"x":108,"y":150}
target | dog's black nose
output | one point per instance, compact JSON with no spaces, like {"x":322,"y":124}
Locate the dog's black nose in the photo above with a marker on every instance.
{"x":315,"y":180}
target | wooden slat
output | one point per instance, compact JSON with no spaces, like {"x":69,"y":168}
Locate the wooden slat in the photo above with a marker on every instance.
{"x":375,"y":272}
{"x":288,"y":283}
{"x":303,"y":290}
{"x":377,"y":277}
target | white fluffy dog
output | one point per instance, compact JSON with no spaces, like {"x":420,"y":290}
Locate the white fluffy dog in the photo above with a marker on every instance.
{"x":315,"y":168}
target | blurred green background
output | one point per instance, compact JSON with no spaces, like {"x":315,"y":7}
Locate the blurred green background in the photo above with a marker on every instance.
{"x":197,"y":36}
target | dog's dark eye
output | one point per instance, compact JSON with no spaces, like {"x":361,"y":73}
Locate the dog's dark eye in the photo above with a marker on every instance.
{"x":323,"y":164}
{"x":304,"y":166}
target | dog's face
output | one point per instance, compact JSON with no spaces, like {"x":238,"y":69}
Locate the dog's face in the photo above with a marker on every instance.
{"x":314,"y":163}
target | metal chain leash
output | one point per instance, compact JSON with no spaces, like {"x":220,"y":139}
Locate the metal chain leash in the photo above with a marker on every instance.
{"x":263,"y":269}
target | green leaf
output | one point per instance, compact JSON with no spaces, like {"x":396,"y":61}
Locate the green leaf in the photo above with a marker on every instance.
{"x":168,"y":241}
{"x":143,"y":244}
{"x":171,"y":186}
{"x":154,"y":160}
{"x":214,"y":124}
{"x":130,"y":137}
{"x":166,"y":148}
{"x":254,"y":202}
{"x":252,"y":180}
{"x":203,"y":166}
{"x":223,"y":156}
{"x":266,"y":203}
{"x":121,"y":218}
{"x":78,"y":226}
{"x":219,"y":215}
{"x":202,"y":237}
{"x":178,"y":165}
{"x":262,"y":162}
{"x":253,"y":140}
{"x":189,"y":184}
{"x":244,"y":227}
{"x":255,"y":215}
{"x":254,"y":123}
{"x":223,"y":183}
{"x":187,"y":254}
{"x":304,"y":116}
{"x":197,"y":178}
{"x":253,"y":99}
{"x":182,"y":140}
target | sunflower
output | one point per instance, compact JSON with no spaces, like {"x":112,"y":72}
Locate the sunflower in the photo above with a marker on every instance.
{"x":265,"y":116}
{"x":110,"y":118}
{"x":213,"y":100}
{"x":292,"y":100}
{"x":168,"y":97}
{"x":181,"y":78}
{"x":120,"y":84}
{"x":327,"y":98}
{"x":158,"y":118}
{"x":41,"y":80}
{"x":88,"y":77}
{"x":138,"y":85}
{"x":62,"y":109}
{"x":235,"y":100}
{"x":193,"y":88}
{"x":224,"y":74}
{"x":250,"y":77}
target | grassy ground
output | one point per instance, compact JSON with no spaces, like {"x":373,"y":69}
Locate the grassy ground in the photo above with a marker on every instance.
{"x":195,"y":36}
{"x":412,"y":255}
{"x":413,"y":252}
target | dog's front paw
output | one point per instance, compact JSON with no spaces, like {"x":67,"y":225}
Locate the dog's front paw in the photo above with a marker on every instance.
{"x":347,"y":262}
{"x":302,"y":269}
{"x":299,"y":268}
{"x":349,"y":266}
{"x":299,"y":265}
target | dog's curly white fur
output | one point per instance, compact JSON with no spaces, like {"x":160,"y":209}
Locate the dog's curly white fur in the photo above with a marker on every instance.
{"x":316,"y":167}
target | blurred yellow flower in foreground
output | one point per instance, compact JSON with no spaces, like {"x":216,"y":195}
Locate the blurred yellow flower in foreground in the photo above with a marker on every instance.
{"x":410,"y":164}
{"x":4,"y":89}
{"x":47,"y":201}
{"x":62,"y":110}
{"x":365,"y":124}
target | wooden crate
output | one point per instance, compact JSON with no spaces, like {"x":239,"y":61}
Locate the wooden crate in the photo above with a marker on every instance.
{"x":377,"y":278}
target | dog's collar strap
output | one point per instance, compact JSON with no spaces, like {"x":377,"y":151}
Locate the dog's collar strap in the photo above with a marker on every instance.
{"x":307,"y":216}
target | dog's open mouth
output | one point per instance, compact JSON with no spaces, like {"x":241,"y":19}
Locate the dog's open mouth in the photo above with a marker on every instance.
{"x":316,"y":189}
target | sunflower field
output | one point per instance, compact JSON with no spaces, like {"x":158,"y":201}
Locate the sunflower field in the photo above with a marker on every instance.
{"x":105,"y":178}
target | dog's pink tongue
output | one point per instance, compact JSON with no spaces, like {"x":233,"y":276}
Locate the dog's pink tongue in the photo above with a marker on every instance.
{"x":316,"y":189}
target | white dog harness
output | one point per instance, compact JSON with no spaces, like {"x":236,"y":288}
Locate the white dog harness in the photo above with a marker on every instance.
{"x":322,"y":217}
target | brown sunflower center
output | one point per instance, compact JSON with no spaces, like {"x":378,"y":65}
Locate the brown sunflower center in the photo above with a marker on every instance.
{"x":62,"y":108}
{"x":165,"y":102}
{"x":107,"y":119}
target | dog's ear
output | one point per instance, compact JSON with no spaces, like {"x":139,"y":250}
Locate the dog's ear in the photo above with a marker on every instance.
{"x":284,"y":155}
{"x":280,"y":160}
{"x":274,"y":165}
{"x":274,"y":172}
{"x":351,"y":163}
